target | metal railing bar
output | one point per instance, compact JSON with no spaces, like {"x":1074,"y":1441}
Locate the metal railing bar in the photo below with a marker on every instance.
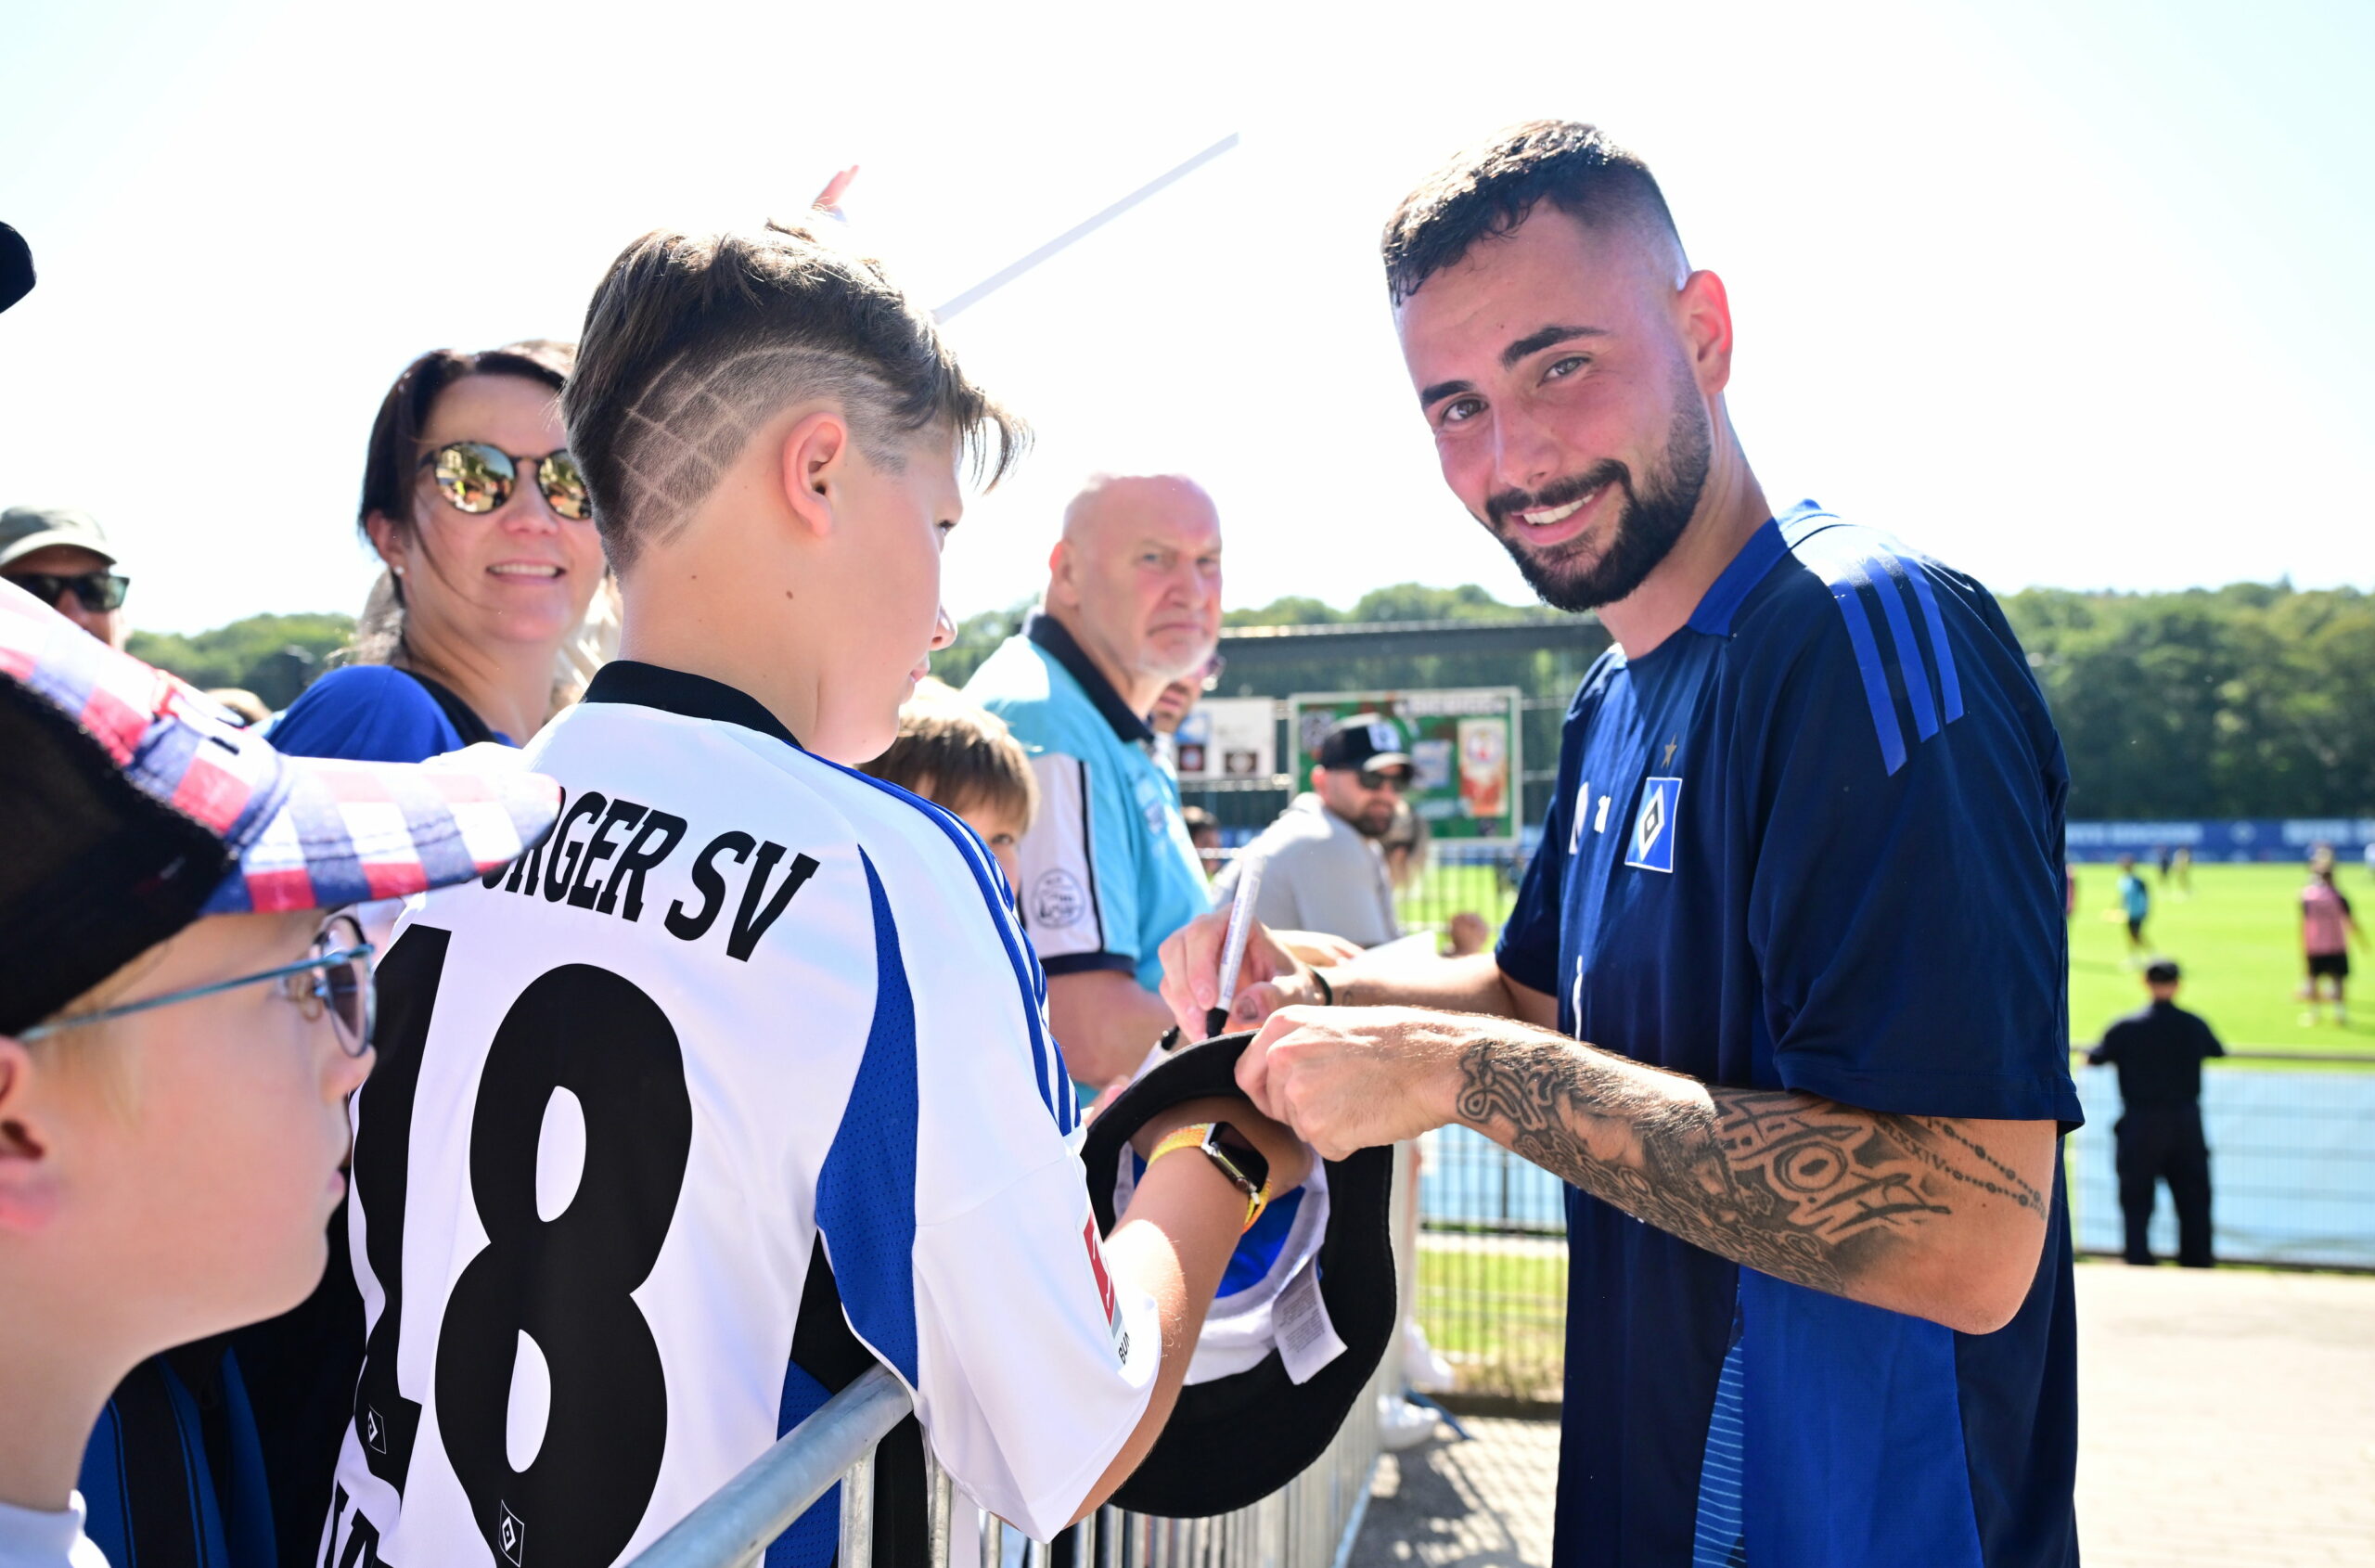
{"x":1352,"y":1520}
{"x":751,"y":1510}
{"x":857,"y":1514}
{"x":2255,"y":1053}
{"x":940,"y":1509}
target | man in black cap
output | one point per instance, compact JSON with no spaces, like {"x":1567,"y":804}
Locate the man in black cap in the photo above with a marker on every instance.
{"x":2159,"y":1053}
{"x":1322,"y":868}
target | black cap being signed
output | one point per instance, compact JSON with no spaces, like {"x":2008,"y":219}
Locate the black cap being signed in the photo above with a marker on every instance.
{"x":1305,"y":1312}
{"x":16,"y":267}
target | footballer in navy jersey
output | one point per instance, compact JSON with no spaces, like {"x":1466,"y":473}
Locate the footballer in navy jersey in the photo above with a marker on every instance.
{"x":1784,"y":996}
{"x":1809,"y":844}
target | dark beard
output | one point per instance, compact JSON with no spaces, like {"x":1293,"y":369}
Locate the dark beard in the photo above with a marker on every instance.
{"x":1653,"y":518}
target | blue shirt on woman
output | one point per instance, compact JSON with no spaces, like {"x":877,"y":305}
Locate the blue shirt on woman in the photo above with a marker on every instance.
{"x":368,"y":714}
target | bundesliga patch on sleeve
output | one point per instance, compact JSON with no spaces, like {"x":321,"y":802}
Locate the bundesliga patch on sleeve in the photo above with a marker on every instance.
{"x":1651,"y":846}
{"x":1106,"y":1295}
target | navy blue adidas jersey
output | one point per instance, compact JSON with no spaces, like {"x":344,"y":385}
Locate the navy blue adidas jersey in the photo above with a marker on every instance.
{"x":1811,"y":842}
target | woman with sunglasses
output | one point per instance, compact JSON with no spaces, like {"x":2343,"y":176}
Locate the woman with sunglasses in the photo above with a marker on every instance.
{"x":483,"y":526}
{"x":490,"y":556}
{"x":183,"y":1017}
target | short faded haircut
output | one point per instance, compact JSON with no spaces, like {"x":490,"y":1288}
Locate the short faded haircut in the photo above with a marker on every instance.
{"x":959,"y":757}
{"x":692,"y":342}
{"x":1489,"y":189}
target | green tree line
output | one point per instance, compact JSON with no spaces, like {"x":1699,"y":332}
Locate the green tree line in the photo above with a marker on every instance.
{"x":274,"y":656}
{"x":2249,"y":700}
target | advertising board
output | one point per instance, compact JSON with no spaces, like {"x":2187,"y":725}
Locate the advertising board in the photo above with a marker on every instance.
{"x":1464,"y":747}
{"x":1229,"y":737}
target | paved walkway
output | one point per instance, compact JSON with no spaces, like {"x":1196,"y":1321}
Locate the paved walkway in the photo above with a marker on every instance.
{"x":2225,"y":1416}
{"x":2228,"y":1420}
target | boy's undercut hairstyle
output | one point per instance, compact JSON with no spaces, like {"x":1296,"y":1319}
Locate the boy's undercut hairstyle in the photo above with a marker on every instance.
{"x":1488,"y":190}
{"x":692,"y":342}
{"x":960,"y":758}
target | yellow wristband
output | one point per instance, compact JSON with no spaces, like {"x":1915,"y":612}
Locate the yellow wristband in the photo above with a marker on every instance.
{"x":1193,"y":1136}
{"x":1189,"y":1136}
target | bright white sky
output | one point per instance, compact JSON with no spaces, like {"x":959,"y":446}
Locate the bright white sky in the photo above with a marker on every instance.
{"x":2071,"y":294}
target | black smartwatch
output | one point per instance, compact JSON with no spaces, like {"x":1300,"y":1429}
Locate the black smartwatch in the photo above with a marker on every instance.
{"x":1232,"y":1155}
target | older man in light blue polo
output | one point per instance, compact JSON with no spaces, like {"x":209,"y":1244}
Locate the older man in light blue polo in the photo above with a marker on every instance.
{"x":1132,"y":603}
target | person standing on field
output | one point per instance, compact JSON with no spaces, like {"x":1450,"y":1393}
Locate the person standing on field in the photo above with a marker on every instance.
{"x":2328,"y":928}
{"x":2159,"y":1053}
{"x":2135,"y":904}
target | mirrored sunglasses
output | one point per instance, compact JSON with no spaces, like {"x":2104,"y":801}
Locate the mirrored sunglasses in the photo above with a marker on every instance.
{"x":97,"y":592}
{"x":476,"y":478}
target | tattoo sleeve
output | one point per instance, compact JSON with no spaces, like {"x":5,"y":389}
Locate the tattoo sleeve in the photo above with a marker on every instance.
{"x":1790,"y":1184}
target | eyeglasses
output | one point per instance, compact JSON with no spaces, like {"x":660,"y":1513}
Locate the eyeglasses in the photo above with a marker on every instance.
{"x":97,"y":592}
{"x":1395,"y":780}
{"x":336,"y":980}
{"x":476,"y":478}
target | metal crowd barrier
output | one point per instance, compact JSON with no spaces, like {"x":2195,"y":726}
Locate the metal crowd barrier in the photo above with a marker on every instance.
{"x":1310,"y":1523}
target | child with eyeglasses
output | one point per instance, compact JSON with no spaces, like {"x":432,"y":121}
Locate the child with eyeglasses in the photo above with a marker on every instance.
{"x":775,"y":1019}
{"x":182,"y":1018}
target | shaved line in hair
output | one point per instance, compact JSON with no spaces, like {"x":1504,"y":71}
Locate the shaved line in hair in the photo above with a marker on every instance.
{"x":693,"y":342}
{"x":677,"y":442}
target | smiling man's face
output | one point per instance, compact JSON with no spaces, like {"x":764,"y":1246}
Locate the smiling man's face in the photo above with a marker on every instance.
{"x":1553,"y":369}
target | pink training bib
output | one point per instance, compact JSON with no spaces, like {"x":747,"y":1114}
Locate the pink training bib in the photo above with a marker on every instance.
{"x":2321,"y":918}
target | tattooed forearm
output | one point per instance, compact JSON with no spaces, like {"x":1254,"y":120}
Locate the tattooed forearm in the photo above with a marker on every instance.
{"x":1794,"y":1186}
{"x":2011,"y":1187}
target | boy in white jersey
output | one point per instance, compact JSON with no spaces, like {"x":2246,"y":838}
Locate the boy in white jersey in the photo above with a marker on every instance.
{"x":744,"y":1080}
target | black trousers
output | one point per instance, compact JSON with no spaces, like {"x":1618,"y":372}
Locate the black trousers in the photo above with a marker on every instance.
{"x":2160,"y":1143}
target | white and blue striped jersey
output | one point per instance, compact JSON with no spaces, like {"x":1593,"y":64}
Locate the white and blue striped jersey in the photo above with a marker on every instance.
{"x":750,"y":1058}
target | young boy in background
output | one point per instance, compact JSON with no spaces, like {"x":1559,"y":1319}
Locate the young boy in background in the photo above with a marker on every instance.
{"x":745,"y":1084}
{"x":964,"y":760}
{"x":180,"y":1028}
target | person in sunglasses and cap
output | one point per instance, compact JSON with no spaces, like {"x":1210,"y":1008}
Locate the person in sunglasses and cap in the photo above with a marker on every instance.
{"x":474,"y":507}
{"x":1323,"y":866}
{"x":63,"y":559}
{"x":183,"y":1015}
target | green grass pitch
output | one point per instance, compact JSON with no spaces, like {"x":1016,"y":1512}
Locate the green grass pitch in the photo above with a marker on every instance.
{"x":2237,"y":938}
{"x":2236,"y":934}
